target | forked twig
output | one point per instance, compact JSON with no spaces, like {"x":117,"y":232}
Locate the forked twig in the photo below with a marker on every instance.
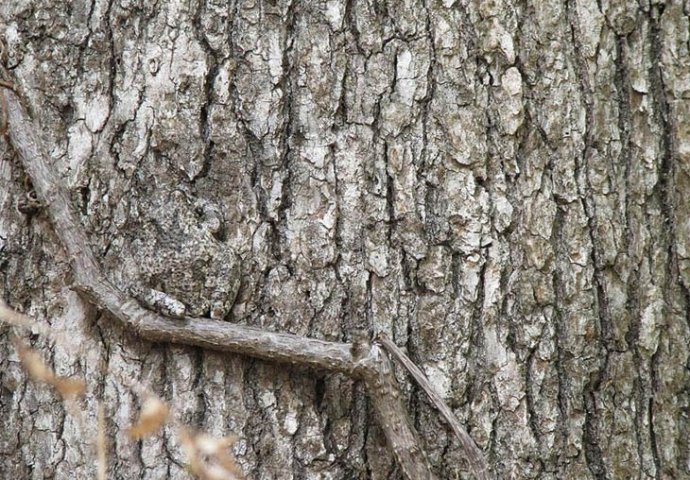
{"x":360,"y":361}
{"x":474,"y":455}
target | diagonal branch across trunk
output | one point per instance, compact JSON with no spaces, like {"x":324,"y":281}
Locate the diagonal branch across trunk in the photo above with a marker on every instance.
{"x":360,"y":360}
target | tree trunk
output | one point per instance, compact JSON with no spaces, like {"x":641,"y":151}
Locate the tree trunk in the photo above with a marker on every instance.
{"x":500,"y":188}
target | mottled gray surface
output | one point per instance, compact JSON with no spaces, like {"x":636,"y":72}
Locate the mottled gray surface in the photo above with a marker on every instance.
{"x":502,"y":188}
{"x":177,"y":252}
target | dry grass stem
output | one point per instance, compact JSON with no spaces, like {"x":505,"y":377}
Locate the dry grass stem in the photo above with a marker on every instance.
{"x":208,"y":457}
{"x":12,"y":317}
{"x":154,"y":413}
{"x":68,"y":388}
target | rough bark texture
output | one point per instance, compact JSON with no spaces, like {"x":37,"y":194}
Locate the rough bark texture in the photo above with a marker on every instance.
{"x":501,"y":188}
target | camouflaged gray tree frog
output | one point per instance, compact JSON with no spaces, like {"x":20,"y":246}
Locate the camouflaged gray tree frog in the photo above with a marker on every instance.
{"x":184,"y":269}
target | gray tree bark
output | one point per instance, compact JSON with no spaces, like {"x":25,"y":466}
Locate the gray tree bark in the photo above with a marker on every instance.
{"x":499,"y":187}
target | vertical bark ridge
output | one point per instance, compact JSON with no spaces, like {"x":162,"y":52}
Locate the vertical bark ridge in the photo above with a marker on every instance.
{"x":664,"y":193}
{"x":593,"y":451}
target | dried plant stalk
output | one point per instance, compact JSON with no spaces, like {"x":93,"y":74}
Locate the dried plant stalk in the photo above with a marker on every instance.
{"x":38,"y":371}
{"x":154,"y":413}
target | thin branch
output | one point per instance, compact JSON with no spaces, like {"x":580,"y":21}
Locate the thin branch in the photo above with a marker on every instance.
{"x":474,"y":455}
{"x":372,"y":367}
